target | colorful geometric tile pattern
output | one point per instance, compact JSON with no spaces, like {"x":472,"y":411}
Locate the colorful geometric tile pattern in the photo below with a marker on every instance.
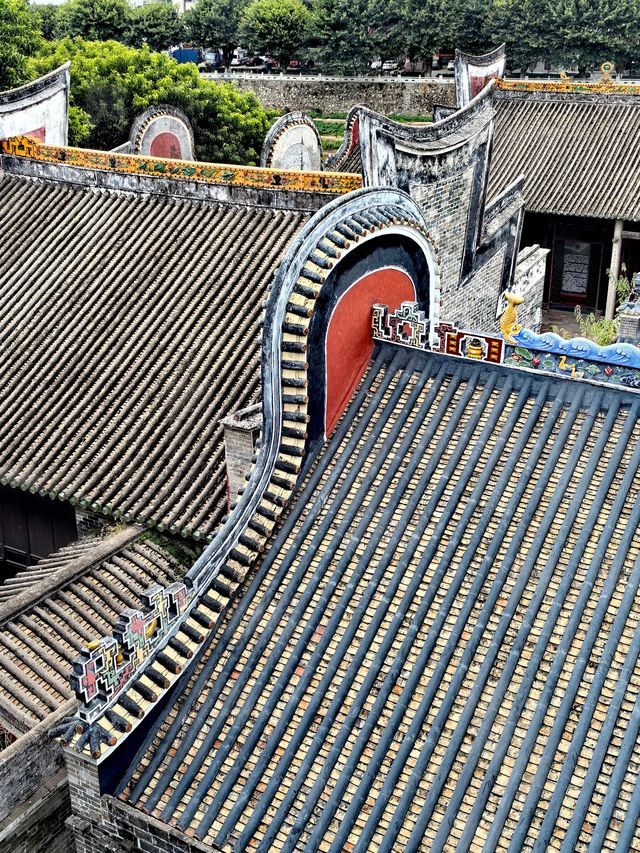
{"x":407,"y":325}
{"x":246,"y":176}
{"x":576,"y":358}
{"x":101,"y":671}
{"x":453,"y":341}
{"x":606,"y":85}
{"x":70,"y":599}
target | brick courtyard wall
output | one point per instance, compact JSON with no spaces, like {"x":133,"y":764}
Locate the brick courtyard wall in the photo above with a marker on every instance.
{"x":392,"y":95}
{"x":38,"y":825}
{"x":34,"y":796}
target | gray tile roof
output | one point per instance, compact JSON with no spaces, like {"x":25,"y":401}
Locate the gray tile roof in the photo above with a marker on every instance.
{"x":580,"y":154}
{"x":45,"y":569}
{"x":129,"y":328}
{"x":441,"y":647}
{"x":44,"y":625}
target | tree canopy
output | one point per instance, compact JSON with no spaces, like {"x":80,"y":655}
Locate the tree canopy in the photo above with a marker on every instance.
{"x":585,"y":32}
{"x":157,"y":24}
{"x":98,"y":20}
{"x":216,"y":23}
{"x":275,"y":27}
{"x":339,"y":35}
{"x":111,"y":84}
{"x":19,"y":38}
{"x":343,"y":37}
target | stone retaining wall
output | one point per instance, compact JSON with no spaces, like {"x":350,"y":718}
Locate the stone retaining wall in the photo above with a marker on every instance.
{"x":392,"y":95}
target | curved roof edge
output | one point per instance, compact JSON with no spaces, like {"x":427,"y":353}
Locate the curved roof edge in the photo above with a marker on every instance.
{"x":44,"y":86}
{"x":472,"y":73}
{"x":216,"y":576}
{"x":463,"y":123}
{"x":484,"y":58}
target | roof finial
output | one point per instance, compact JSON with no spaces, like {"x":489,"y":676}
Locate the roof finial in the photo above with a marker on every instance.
{"x":509,"y":325}
{"x":607,"y":69}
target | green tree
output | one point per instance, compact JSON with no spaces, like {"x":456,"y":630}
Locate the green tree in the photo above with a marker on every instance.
{"x":339,"y":35}
{"x":473,"y":26}
{"x":157,"y":24}
{"x":111,"y":84}
{"x":99,"y":20}
{"x":19,"y":38}
{"x":385,"y":24}
{"x":275,"y":27}
{"x":53,"y":20}
{"x":586,"y":33}
{"x":215,"y":23}
{"x":431,"y":27}
{"x":528,"y":29}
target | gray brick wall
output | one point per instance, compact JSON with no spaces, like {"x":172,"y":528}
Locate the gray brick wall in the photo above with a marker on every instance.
{"x":238,"y":447}
{"x":38,"y":826}
{"x":446,"y":209}
{"x":119,"y":828}
{"x":472,"y":305}
{"x":90,"y":523}
{"x":400,"y":96}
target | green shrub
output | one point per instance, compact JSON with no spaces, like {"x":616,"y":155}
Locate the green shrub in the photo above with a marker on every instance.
{"x":111,"y":84}
{"x":598,"y":329}
{"x":331,"y":144}
{"x":329,"y":128}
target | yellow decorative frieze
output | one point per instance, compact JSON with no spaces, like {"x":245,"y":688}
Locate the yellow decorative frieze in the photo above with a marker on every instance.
{"x":606,"y":85}
{"x":211,"y":173}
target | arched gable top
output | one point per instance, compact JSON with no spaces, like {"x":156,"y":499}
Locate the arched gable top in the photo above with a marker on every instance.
{"x":358,"y":229}
{"x":388,"y":269}
{"x":353,"y":230}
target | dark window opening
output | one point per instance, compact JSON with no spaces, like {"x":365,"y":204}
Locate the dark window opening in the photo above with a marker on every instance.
{"x":31,"y":527}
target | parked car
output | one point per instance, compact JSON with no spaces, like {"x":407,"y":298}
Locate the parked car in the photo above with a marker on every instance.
{"x":376,"y":65}
{"x":212,"y":61}
{"x":442,"y":60}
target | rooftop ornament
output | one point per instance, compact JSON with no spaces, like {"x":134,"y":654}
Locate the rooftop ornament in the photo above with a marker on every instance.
{"x":576,"y":358}
{"x":606,"y":85}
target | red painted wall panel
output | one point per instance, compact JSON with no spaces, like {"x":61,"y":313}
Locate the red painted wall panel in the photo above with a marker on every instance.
{"x":349,"y":343}
{"x":40,"y":133}
{"x":166,"y":145}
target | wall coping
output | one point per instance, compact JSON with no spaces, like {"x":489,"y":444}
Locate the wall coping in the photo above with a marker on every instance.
{"x":39,"y":89}
{"x":256,"y":177}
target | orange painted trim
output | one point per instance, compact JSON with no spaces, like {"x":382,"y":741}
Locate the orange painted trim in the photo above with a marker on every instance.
{"x":158,"y":167}
{"x":607,"y":87}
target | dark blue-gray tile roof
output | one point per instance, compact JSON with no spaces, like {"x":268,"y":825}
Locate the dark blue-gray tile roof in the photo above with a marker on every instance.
{"x":440,"y":649}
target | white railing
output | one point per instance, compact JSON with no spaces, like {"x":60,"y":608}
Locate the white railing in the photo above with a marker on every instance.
{"x":257,"y":75}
